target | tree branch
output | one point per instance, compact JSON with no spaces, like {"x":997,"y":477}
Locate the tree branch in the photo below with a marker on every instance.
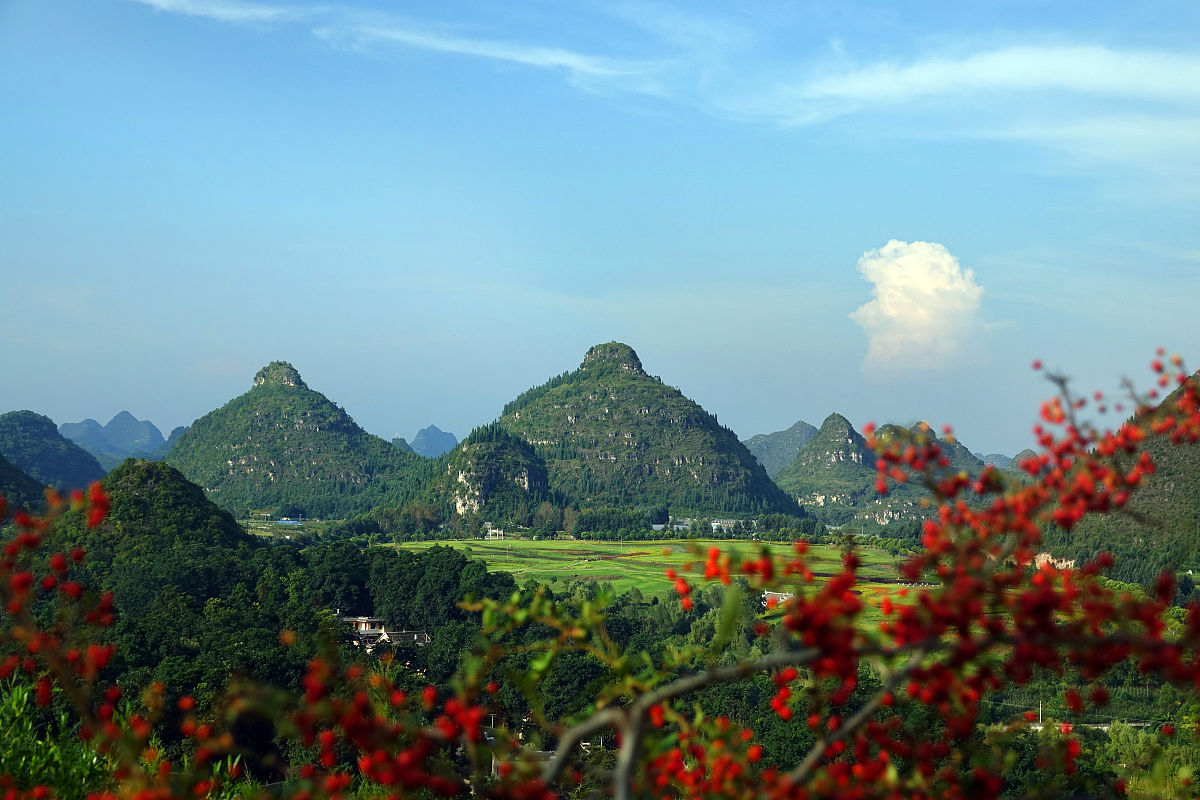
{"x":859,"y":719}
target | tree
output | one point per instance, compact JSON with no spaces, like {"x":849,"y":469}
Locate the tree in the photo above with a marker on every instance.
{"x":889,"y":709}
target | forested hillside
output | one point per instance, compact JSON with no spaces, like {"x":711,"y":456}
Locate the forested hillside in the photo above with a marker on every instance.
{"x":32,"y":443}
{"x":199,"y":602}
{"x":1159,"y":527}
{"x":285,"y":447}
{"x":834,"y":475}
{"x":611,"y":435}
{"x":18,"y":489}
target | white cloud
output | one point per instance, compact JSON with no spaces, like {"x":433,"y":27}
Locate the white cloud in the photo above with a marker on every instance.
{"x":1093,"y":103}
{"x":225,"y":10}
{"x":578,"y":65}
{"x":1076,"y":69}
{"x":923,"y":308}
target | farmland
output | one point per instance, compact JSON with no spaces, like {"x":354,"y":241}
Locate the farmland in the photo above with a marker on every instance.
{"x":640,"y":564}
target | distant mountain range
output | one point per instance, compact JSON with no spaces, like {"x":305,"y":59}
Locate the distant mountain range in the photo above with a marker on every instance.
{"x":776,"y":450}
{"x":997,"y":460}
{"x":124,"y":436}
{"x":606,"y":435}
{"x":432,"y":442}
{"x":834,"y":476}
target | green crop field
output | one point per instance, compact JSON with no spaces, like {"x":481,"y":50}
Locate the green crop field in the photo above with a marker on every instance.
{"x":642,"y":564}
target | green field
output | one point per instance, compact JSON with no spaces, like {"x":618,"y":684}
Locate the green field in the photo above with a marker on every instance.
{"x":641,"y":564}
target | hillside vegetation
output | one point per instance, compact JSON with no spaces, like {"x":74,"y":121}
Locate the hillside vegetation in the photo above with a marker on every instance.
{"x":18,"y":489}
{"x":32,"y":443}
{"x":611,"y":435}
{"x":1160,"y":526}
{"x":284,"y":446}
{"x":834,"y":476}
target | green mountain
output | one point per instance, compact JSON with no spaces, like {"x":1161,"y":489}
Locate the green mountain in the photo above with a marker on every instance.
{"x":776,"y":450}
{"x":494,"y":473}
{"x":285,"y":447}
{"x":432,"y":442}
{"x":611,"y":435}
{"x":834,"y":476}
{"x":32,"y":443}
{"x":18,"y":489}
{"x":156,"y":516}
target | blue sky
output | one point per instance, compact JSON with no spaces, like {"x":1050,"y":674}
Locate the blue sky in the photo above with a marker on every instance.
{"x":788,"y":209}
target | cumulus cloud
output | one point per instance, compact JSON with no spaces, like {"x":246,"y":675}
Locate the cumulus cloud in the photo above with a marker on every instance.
{"x":924,"y":306}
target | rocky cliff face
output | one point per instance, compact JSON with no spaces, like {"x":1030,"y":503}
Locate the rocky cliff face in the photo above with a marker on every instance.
{"x":279,"y":373}
{"x":495,"y":474}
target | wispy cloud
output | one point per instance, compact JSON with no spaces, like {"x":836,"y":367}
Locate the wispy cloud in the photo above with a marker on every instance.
{"x":579,"y":65}
{"x":1139,"y":107}
{"x":1078,"y":70}
{"x":1136,"y":107}
{"x":359,"y":29}
{"x":923,"y":307}
{"x":227,"y":10}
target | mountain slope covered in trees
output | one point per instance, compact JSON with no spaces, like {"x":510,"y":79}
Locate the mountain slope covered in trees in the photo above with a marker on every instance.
{"x":32,"y":443}
{"x":834,"y":475}
{"x":285,"y":447}
{"x":611,"y":435}
{"x":1160,"y":526}
{"x":18,"y":489}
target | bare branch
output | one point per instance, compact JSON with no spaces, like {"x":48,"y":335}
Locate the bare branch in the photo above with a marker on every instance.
{"x":611,"y":717}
